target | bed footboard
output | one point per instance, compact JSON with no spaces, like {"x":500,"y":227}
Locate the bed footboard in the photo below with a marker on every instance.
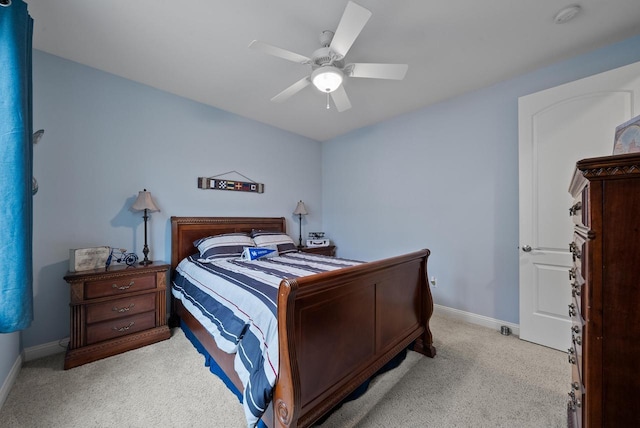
{"x":337,"y":329}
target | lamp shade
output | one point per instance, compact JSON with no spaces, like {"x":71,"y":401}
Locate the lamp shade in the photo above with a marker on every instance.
{"x":300,"y":209}
{"x":144,"y":202}
{"x":327,"y":78}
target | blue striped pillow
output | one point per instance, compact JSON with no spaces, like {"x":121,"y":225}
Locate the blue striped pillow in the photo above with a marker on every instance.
{"x":225,"y":245}
{"x":283,"y":241}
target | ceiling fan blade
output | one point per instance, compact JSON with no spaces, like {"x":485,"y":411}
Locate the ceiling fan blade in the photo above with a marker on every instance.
{"x":279,"y":52}
{"x":291,"y":90}
{"x":340,"y":99}
{"x":378,"y":71}
{"x":351,"y":24}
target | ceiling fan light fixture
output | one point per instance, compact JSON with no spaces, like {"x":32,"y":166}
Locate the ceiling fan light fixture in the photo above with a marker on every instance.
{"x":327,"y":79}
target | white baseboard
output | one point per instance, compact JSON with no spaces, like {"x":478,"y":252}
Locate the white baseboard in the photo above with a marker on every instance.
{"x":10,"y":380}
{"x":46,"y":349}
{"x":475,"y":319}
{"x":29,"y":354}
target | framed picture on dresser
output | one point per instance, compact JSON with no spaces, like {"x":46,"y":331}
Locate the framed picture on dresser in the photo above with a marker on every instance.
{"x":627,"y":137}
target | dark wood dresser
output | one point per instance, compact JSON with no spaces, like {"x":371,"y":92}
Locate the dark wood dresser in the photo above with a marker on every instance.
{"x":116,"y":310}
{"x":605,"y":281}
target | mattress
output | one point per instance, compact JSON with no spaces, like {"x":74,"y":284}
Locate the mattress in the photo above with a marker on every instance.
{"x":236,"y":301}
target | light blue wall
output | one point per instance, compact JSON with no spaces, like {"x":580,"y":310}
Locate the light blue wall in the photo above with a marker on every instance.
{"x":106,"y":138}
{"x":446,"y":178}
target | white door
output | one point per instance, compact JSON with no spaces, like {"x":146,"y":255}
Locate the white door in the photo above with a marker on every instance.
{"x":558,"y":127}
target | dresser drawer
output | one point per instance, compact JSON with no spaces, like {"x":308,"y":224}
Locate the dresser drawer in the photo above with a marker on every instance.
{"x":576,"y":394}
{"x":120,"y":327}
{"x":576,"y":211}
{"x":115,"y":286}
{"x":576,"y":310}
{"x":577,"y":352}
{"x":119,"y":308}
{"x":574,"y":412}
{"x":577,"y":284}
{"x":576,"y":380}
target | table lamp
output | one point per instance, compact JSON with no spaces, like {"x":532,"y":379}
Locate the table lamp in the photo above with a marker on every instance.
{"x":146,"y":204}
{"x":300,"y":211}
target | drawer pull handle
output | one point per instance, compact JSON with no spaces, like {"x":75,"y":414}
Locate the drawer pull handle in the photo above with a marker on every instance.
{"x":575,"y":251}
{"x":573,"y":401}
{"x":123,"y":309}
{"x":572,"y":310}
{"x":574,"y":404}
{"x":577,"y":340}
{"x":575,"y":329}
{"x":123,"y":287}
{"x":572,"y":273}
{"x":575,"y":385}
{"x":575,"y":208}
{"x":575,"y":286}
{"x":125,"y":328}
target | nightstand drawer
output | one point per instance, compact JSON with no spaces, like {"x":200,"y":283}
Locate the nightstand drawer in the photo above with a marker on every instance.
{"x":121,"y":307}
{"x":115,"y":286}
{"x":323,"y":251}
{"x":120,"y":327}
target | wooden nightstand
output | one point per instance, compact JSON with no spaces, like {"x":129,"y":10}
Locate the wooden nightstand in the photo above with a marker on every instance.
{"x":116,"y":310}
{"x":325,"y":251}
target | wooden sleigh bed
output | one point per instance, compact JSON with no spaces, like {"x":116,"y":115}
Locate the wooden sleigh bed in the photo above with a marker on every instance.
{"x":335,"y":329}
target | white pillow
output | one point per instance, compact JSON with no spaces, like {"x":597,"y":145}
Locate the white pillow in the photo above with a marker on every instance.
{"x":282,"y":241}
{"x":225,"y":245}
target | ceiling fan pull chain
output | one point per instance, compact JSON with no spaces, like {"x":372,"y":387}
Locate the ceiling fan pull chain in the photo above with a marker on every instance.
{"x":328,"y":105}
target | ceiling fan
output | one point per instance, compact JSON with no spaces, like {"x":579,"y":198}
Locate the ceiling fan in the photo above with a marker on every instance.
{"x":328,"y":68}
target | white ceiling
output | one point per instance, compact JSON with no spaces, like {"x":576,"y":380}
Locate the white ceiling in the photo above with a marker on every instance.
{"x":198,"y":49}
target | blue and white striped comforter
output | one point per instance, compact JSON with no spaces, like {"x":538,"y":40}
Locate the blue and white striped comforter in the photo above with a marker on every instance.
{"x":236,"y":301}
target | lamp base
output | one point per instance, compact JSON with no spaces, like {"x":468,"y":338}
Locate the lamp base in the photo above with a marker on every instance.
{"x":145,"y":250}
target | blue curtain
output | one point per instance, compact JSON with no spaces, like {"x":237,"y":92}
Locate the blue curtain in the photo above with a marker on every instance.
{"x":16,"y":156}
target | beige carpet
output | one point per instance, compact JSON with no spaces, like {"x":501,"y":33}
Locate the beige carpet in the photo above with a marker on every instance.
{"x":478,"y":379}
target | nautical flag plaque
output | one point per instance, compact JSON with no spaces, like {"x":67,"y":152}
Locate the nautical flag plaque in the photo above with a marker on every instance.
{"x":231,"y":185}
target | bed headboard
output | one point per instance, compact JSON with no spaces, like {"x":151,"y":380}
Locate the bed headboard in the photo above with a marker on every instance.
{"x":185,"y":230}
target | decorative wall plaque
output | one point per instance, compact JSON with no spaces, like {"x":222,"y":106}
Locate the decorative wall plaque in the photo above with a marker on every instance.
{"x":215,"y":183}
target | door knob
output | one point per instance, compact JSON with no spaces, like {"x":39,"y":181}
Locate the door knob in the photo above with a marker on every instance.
{"x":526,"y":248}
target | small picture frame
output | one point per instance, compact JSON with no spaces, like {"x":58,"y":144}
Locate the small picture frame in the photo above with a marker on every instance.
{"x":627,"y":137}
